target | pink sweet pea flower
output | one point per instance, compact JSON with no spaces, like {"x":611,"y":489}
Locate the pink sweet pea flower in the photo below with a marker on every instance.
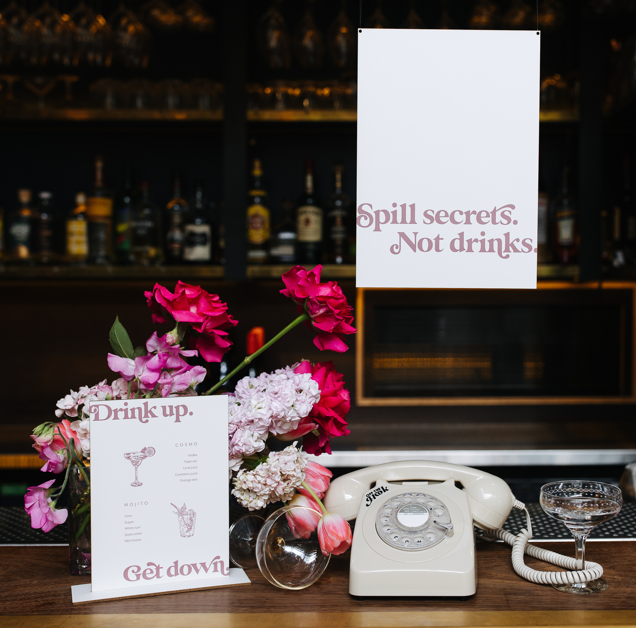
{"x":203,"y":312}
{"x":324,"y":302}
{"x":334,"y":534}
{"x":50,"y":445}
{"x":303,"y":521}
{"x":329,"y":413}
{"x":318,"y":479}
{"x":38,"y":504}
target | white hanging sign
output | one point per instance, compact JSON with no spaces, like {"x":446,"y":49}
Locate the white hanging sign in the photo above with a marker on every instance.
{"x":159,"y":497}
{"x":448,"y":151}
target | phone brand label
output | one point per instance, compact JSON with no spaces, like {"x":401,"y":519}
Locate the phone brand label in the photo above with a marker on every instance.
{"x":374,"y":494}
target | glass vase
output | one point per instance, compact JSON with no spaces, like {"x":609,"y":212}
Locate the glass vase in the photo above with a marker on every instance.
{"x":79,"y":521}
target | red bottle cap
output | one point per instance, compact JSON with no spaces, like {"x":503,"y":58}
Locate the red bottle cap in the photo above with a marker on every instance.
{"x":255,"y":339}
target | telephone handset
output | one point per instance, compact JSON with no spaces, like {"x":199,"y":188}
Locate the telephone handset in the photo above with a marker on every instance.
{"x":414,"y":529}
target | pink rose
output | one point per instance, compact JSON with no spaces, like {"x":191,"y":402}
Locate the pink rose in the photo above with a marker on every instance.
{"x":324,"y":302}
{"x":318,"y":479}
{"x":38,"y":504}
{"x":329,"y":413}
{"x":303,"y":521}
{"x":334,"y":534}
{"x":203,"y":312}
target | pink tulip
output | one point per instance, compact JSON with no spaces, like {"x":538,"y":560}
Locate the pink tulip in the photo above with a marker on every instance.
{"x":318,"y":478}
{"x":303,"y":521}
{"x":334,"y":534}
{"x":38,"y":504}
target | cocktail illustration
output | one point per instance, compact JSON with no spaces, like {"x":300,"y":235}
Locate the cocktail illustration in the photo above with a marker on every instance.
{"x":187,"y":519}
{"x":136,"y":458}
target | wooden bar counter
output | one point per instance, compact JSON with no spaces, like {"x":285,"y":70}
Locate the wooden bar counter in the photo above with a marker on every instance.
{"x":35,"y":592}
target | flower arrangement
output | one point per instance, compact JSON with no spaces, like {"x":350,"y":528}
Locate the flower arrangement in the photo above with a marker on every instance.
{"x":307,"y":401}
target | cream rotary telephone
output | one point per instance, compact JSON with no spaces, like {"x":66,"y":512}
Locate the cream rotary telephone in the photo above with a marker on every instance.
{"x":414,"y":529}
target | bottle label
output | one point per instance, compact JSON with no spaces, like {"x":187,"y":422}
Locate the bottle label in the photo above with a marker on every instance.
{"x":99,"y":206}
{"x":198,"y":243}
{"x":45,"y":239}
{"x":565,"y":231}
{"x":76,"y":238}
{"x":542,"y":231}
{"x":98,"y":234}
{"x":257,"y":224}
{"x":20,"y":239}
{"x":283,"y":251}
{"x":309,"y":224}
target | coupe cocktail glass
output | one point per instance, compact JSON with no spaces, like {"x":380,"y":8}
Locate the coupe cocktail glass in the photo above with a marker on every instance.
{"x":581,"y":506}
{"x":136,"y":458}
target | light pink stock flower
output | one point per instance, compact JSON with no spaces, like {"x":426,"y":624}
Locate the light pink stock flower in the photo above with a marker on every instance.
{"x":318,"y":479}
{"x":38,"y":504}
{"x":303,"y":520}
{"x":334,"y":534}
{"x":324,"y":302}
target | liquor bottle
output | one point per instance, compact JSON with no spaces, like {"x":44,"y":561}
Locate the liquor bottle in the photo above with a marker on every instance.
{"x":309,"y":218}
{"x":176,"y":214}
{"x":21,"y":233}
{"x":628,"y":206}
{"x":145,"y":230}
{"x":565,"y":222}
{"x":255,"y":341}
{"x":77,"y":232}
{"x":123,"y":217}
{"x":337,"y":238}
{"x":543,"y":249}
{"x":100,"y":219}
{"x":283,"y":247}
{"x":45,"y":229}
{"x":258,"y":219}
{"x":197,"y":247}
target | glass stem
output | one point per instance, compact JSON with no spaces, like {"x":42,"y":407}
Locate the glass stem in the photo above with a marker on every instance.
{"x":137,"y":480}
{"x":579,"y":540}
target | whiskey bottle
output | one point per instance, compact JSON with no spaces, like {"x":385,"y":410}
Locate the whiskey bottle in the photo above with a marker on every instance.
{"x":123,"y":217}
{"x":21,"y":231}
{"x":77,"y":232}
{"x":145,"y":243}
{"x":338,"y":223}
{"x":309,"y":218}
{"x":283,"y":247}
{"x":175,"y":217}
{"x":45,"y":229}
{"x":566,"y":228}
{"x":543,"y":249}
{"x":100,"y":219}
{"x":258,"y":219}
{"x":255,"y":341}
{"x":197,"y":247}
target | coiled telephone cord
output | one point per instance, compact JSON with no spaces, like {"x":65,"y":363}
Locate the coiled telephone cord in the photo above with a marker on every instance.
{"x":520,"y":547}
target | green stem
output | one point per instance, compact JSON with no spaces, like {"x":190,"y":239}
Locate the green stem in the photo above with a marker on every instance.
{"x":305,"y":485}
{"x":301,"y":319}
{"x":82,"y":527}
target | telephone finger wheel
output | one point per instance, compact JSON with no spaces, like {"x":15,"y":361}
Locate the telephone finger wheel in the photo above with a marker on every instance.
{"x":413,"y":521}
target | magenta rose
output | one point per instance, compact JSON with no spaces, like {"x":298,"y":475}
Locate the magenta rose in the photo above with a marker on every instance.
{"x":324,"y":302}
{"x":205,"y":314}
{"x":329,"y":413}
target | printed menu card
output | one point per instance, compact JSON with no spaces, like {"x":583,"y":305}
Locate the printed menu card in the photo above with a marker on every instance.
{"x":159,"y":493}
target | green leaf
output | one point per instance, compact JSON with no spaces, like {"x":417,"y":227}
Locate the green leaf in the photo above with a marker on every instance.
{"x":139,"y":351}
{"x":120,"y":340}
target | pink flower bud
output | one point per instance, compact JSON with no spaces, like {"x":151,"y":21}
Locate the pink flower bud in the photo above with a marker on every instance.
{"x":303,"y":521}
{"x":318,"y":478}
{"x":334,"y":534}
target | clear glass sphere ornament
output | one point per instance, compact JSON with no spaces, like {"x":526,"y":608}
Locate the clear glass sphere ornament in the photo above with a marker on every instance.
{"x":243,"y":534}
{"x":286,"y":560}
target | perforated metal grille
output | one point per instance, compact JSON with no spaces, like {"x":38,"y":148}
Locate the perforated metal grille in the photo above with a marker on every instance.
{"x":544,"y":528}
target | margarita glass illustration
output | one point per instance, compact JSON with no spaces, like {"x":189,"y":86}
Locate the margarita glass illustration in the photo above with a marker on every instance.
{"x":187,"y":519}
{"x":136,"y":458}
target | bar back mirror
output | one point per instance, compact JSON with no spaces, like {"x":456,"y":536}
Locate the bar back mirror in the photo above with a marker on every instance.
{"x":564,"y":343}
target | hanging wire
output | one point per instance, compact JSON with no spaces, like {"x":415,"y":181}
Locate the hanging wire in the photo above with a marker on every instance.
{"x":361,"y":13}
{"x":537,"y":14}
